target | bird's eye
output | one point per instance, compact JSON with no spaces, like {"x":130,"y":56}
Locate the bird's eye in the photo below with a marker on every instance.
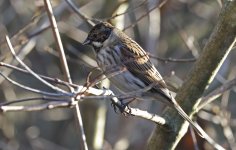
{"x":107,"y":32}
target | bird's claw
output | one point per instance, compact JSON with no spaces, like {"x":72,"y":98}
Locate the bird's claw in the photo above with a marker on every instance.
{"x":123,"y":108}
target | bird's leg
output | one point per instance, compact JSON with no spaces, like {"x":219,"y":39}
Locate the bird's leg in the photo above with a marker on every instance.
{"x":124,"y":107}
{"x":115,"y":106}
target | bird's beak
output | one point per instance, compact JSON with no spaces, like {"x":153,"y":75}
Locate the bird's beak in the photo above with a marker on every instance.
{"x":86,"y":42}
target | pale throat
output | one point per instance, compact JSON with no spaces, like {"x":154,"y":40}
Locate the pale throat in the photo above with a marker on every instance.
{"x":97,"y":44}
{"x":109,"y":41}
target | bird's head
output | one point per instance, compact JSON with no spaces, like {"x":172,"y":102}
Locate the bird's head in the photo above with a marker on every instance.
{"x":98,"y":34}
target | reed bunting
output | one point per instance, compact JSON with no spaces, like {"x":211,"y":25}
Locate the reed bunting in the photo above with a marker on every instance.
{"x":116,"y":52}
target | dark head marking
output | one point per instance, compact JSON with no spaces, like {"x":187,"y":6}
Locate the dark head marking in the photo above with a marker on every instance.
{"x":99,"y":33}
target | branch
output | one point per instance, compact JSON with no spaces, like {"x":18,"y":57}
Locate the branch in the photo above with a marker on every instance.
{"x":216,"y":93}
{"x":34,"y":99}
{"x":32,"y":89}
{"x":66,"y":103}
{"x":128,"y":11}
{"x":50,"y":105}
{"x":144,"y":15}
{"x":31,"y":71}
{"x":88,"y":20}
{"x":140,"y":113}
{"x":213,"y":55}
{"x":55,"y":80}
{"x":65,"y":70}
{"x":173,"y":59}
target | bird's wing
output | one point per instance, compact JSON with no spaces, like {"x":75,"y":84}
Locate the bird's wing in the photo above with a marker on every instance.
{"x":138,"y":63}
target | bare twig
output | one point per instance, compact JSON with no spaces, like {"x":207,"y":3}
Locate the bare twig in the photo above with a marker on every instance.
{"x":35,"y":99}
{"x":26,"y":27}
{"x":31,"y":71}
{"x":50,"y":105}
{"x":65,"y":68}
{"x":222,"y":80}
{"x":216,"y":93}
{"x":194,"y":138}
{"x":144,"y":15}
{"x":55,"y":80}
{"x":128,"y":11}
{"x":189,"y":43}
{"x":83,"y":16}
{"x":134,"y":94}
{"x":32,"y":89}
{"x":39,"y":31}
{"x":227,"y":130}
{"x":172,"y":59}
{"x":22,"y":53}
{"x":63,"y":102}
{"x":146,"y":115}
{"x":188,"y":40}
{"x":80,"y":88}
{"x":80,"y":57}
{"x":57,"y":38}
{"x":137,"y":112}
{"x":225,"y":115}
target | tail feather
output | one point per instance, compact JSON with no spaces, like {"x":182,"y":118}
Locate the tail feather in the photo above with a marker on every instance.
{"x":196,"y":127}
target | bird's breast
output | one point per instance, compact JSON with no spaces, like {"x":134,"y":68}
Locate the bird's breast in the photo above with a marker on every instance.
{"x":109,"y":57}
{"x":109,"y":60}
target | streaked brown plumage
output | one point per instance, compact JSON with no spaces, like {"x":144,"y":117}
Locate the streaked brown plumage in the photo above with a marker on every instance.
{"x":115,"y":51}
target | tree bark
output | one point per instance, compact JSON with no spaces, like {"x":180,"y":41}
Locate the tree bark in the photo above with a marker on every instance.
{"x":203,"y":72}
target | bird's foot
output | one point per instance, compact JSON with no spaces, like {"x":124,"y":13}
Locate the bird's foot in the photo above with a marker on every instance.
{"x":123,"y":107}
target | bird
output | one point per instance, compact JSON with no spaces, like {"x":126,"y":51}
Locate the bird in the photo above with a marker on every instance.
{"x":117,"y":52}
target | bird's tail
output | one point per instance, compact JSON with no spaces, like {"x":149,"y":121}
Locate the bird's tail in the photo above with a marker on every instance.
{"x":196,"y":127}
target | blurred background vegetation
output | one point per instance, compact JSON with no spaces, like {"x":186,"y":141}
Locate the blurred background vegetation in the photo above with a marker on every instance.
{"x":179,"y":29}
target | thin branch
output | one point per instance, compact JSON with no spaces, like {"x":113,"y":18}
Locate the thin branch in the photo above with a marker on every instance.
{"x":66,"y":104}
{"x":57,"y":38}
{"x":115,"y":99}
{"x":188,"y":41}
{"x":62,"y":102}
{"x":32,"y":89}
{"x":34,"y":99}
{"x":81,"y":58}
{"x":128,"y":11}
{"x":79,"y":88}
{"x":144,"y":15}
{"x":128,"y":95}
{"x":216,"y":93}
{"x":227,"y":130}
{"x":50,"y":105}
{"x":83,"y":16}
{"x":137,"y":112}
{"x":194,"y":138}
{"x":55,"y":80}
{"x":65,"y":68}
{"x":31,"y":71}
{"x":41,"y":30}
{"x":23,"y":52}
{"x":146,"y":115}
{"x":172,"y":59}
{"x":222,"y":80}
{"x":26,"y":27}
